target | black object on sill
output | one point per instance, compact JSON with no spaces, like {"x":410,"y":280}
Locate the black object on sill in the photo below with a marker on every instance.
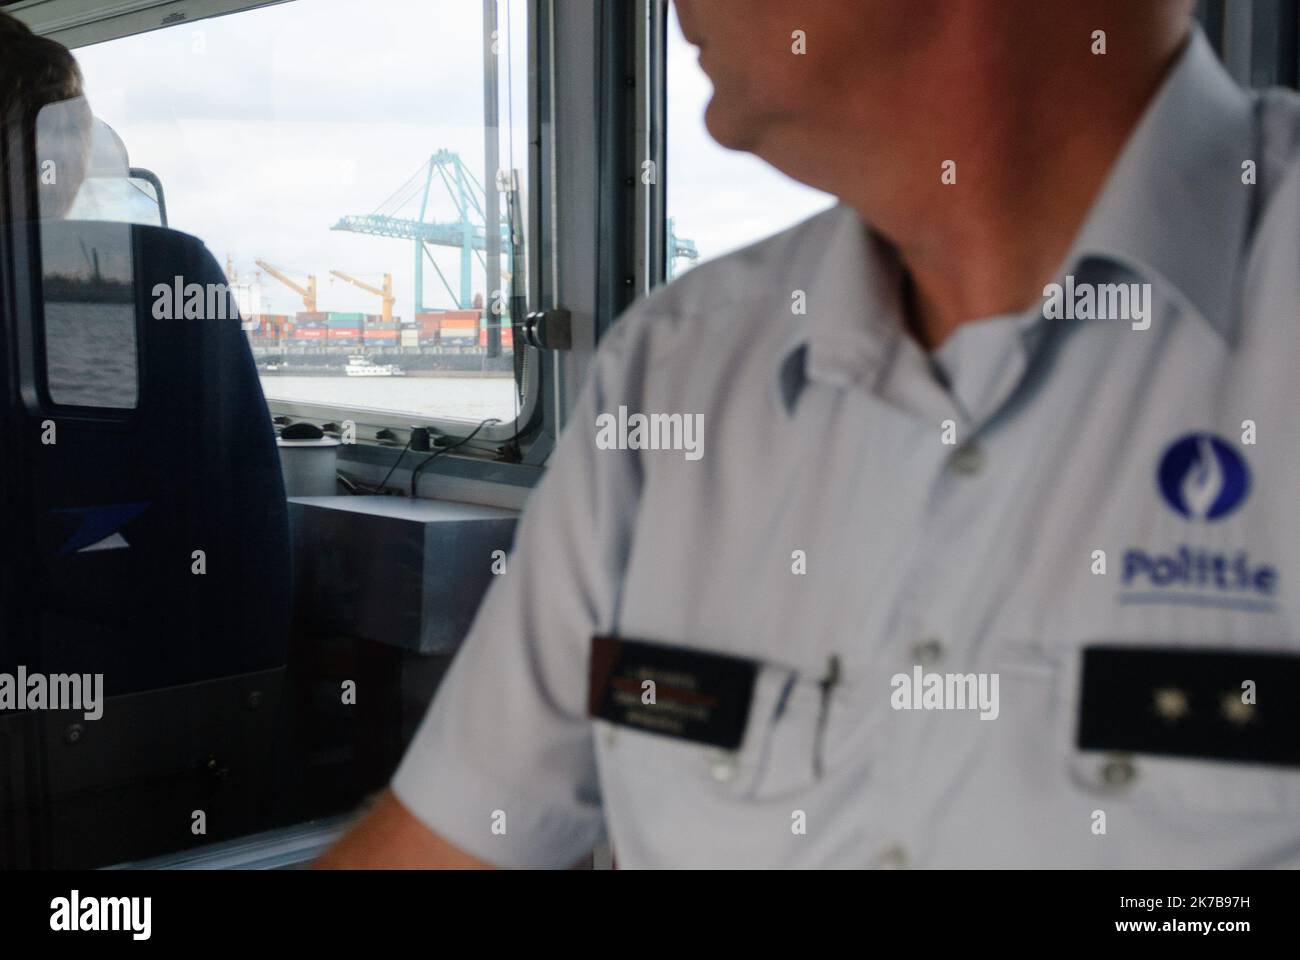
{"x":302,"y":431}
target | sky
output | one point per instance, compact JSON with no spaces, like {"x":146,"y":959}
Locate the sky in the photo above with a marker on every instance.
{"x":273,"y":123}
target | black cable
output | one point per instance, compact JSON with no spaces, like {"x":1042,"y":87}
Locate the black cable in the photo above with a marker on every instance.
{"x":383,"y":483}
{"x":415,"y":474}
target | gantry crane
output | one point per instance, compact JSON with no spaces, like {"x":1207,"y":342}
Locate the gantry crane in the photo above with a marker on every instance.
{"x":679,"y":248}
{"x":403,"y":216}
{"x":386,"y":293}
{"x":308,"y":293}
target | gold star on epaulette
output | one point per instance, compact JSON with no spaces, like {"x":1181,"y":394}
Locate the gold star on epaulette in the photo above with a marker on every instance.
{"x":1171,"y":704}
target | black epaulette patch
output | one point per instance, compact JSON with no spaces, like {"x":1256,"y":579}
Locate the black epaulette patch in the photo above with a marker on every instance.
{"x":1191,"y":702}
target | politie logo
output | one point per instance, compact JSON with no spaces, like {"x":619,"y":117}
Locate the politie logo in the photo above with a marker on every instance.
{"x":1202,"y":478}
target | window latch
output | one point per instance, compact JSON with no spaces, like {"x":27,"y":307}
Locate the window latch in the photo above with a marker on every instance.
{"x":549,"y":329}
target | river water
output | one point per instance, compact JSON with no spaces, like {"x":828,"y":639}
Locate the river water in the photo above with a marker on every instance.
{"x":464,"y":398}
{"x":91,"y":353}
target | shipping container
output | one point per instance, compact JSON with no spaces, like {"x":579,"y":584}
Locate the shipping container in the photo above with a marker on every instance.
{"x":351,"y":321}
{"x":344,"y":333}
{"x":304,"y":316}
{"x":309,"y":333}
{"x":269,"y":324}
{"x":449,"y":315}
{"x":507,"y":337}
{"x":384,"y":336}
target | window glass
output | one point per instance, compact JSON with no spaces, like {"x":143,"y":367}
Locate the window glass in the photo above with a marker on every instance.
{"x":334,"y":157}
{"x":713,"y":193}
{"x":88,"y":278}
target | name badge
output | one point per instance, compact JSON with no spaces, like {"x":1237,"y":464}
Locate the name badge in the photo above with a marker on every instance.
{"x":1211,"y":704}
{"x":670,"y":690}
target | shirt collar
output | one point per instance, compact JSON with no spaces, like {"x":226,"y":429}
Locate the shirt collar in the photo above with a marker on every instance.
{"x":1173,"y":209}
{"x":854,"y":314}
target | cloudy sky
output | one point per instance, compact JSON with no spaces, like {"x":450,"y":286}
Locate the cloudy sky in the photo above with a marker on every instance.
{"x":269,"y":125}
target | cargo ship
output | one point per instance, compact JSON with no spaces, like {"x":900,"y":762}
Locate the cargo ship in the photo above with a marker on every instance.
{"x":325,"y":344}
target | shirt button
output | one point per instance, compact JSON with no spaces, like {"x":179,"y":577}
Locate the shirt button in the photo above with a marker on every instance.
{"x":723,"y":767}
{"x":1118,"y":771}
{"x":892,"y":858}
{"x":928,"y":651}
{"x":968,"y":460}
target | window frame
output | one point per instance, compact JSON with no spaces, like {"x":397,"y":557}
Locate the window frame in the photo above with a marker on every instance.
{"x":570,"y":121}
{"x":79,"y":23}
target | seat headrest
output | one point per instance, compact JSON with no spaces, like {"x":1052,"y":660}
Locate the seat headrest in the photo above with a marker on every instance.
{"x":108,"y":156}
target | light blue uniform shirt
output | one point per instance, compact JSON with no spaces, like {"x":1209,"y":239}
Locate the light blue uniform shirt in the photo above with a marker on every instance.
{"x":823,"y":434}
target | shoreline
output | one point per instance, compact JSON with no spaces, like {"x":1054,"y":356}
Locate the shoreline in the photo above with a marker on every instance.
{"x":407,"y":375}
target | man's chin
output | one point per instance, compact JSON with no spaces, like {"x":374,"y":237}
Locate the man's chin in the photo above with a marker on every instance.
{"x":728,"y":127}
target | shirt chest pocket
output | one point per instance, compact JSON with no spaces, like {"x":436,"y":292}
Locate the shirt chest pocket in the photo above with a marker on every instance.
{"x":1172,"y":788}
{"x":790,"y":736}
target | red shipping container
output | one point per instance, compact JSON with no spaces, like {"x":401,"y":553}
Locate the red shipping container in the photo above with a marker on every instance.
{"x":344,"y":333}
{"x":309,"y":333}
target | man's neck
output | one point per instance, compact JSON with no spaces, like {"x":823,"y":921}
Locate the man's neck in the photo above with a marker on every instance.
{"x":1031,"y":135}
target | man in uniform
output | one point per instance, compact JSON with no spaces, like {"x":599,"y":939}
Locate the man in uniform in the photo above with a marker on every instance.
{"x":987,"y":553}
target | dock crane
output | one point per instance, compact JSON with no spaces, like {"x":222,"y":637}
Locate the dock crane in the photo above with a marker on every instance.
{"x":405,"y":216}
{"x":386,"y":293}
{"x":308,"y":293}
{"x":679,"y":248}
